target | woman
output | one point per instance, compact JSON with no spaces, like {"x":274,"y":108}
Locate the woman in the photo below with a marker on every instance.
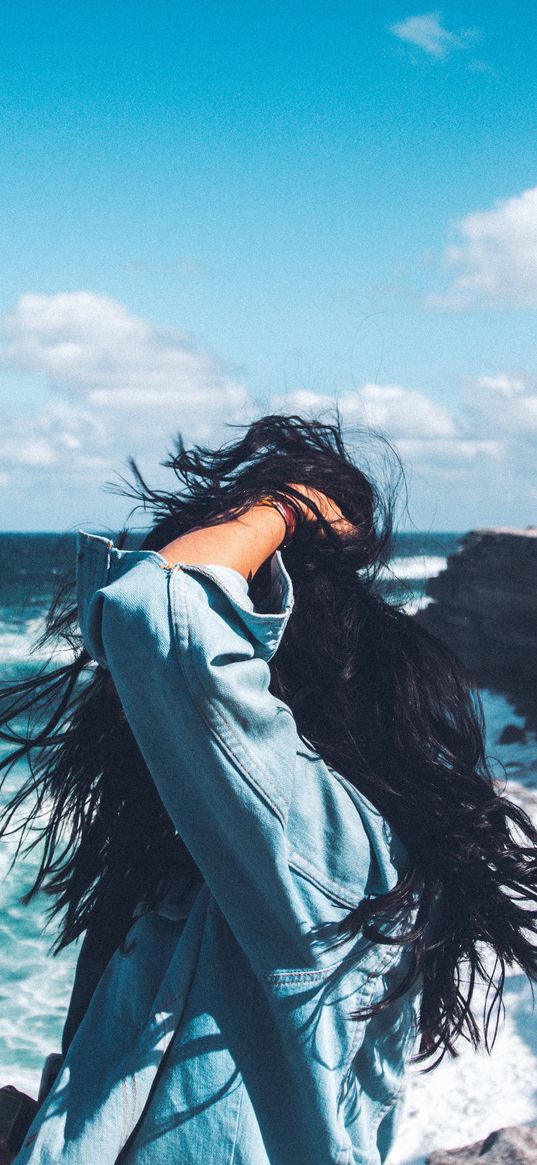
{"x":271,"y":817}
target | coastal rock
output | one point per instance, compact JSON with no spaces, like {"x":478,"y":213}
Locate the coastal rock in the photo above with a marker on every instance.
{"x":512,"y":734}
{"x":484,"y":607}
{"x":512,"y":1146}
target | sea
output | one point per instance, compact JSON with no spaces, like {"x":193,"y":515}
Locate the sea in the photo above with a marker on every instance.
{"x":458,"y":1103}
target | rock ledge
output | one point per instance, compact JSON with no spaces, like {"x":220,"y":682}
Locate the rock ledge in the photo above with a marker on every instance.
{"x":484,"y":607}
{"x":516,"y":1145}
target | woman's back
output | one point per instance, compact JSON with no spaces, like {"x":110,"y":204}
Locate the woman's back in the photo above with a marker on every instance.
{"x":232,"y":1025}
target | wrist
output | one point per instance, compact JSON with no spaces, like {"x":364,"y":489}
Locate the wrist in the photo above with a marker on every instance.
{"x":285,"y":512}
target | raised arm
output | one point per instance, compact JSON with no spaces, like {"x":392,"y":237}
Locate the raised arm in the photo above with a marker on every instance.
{"x":245,"y":543}
{"x":188,"y":654}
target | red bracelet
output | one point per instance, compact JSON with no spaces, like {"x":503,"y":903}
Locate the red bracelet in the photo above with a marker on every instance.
{"x":286,"y":512}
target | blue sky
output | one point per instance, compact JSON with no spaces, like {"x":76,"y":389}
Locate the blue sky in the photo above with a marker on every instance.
{"x":215,"y":210}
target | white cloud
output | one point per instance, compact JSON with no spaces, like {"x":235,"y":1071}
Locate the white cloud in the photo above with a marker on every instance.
{"x":400,"y":412}
{"x":460,"y":451}
{"x":52,"y":437}
{"x":495,"y":262}
{"x":428,"y":33}
{"x":503,"y":383}
{"x":486,"y":451}
{"x":90,"y":346}
{"x":27,"y":451}
{"x":118,"y":385}
{"x":505,"y":404}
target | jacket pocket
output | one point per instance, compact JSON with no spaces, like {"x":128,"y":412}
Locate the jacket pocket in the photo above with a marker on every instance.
{"x":140,"y":965}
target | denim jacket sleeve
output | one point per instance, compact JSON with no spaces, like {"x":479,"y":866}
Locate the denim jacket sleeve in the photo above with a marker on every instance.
{"x":189,"y":658}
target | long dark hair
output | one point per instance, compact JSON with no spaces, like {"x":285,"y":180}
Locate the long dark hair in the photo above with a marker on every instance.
{"x":382,"y":701}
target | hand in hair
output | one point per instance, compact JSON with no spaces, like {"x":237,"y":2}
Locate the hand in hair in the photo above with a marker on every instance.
{"x":328,"y":508}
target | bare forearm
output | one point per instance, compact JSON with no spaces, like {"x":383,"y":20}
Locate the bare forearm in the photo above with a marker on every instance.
{"x":245,"y":543}
{"x":242,"y":543}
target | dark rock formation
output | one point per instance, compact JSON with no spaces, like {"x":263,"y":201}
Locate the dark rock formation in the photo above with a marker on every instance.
{"x":512,"y":1146}
{"x":513,"y":734}
{"x":485,"y":609}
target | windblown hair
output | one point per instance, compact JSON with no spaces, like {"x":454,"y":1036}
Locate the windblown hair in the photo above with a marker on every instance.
{"x":382,"y":701}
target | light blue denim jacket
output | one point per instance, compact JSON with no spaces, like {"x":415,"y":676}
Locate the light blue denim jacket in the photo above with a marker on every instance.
{"x":222,"y":1034}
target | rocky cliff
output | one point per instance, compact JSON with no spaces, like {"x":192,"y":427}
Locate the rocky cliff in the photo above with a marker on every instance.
{"x":484,"y":607}
{"x":513,"y":1146}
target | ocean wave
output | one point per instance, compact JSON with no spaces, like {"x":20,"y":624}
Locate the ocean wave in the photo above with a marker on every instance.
{"x":18,"y":639}
{"x":416,"y":603}
{"x":35,"y":987}
{"x":416,"y":568}
{"x":18,"y":643}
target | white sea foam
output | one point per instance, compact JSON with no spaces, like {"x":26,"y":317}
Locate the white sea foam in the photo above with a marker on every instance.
{"x":465,"y":1099}
{"x":416,"y":603}
{"x":416,"y":567}
{"x":413,"y":570}
{"x":35,"y":988}
{"x":18,"y":643}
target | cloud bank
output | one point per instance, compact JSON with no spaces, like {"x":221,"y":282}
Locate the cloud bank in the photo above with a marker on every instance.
{"x":481,"y":458}
{"x":89,"y":346}
{"x":118,"y":384}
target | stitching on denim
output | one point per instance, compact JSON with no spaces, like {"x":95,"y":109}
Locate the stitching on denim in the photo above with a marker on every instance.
{"x":222,"y":728}
{"x":328,"y":886}
{"x":307,"y":976}
{"x":277,"y":805}
{"x":134,"y":1096}
{"x":124,"y":1111}
{"x":297,"y":976}
{"x":354,"y":1043}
